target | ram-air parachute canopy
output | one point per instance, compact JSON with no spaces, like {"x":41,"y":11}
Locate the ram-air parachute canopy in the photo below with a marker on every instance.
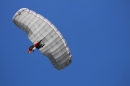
{"x":39,"y":28}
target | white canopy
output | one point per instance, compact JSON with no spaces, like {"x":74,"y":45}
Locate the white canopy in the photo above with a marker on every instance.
{"x":39,"y":28}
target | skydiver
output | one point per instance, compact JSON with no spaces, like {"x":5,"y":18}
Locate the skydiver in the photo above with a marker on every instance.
{"x":37,"y":45}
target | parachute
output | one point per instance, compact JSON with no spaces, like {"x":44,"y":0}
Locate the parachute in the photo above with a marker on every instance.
{"x":39,"y":28}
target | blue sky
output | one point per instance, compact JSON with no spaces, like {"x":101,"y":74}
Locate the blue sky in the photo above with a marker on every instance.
{"x":97,"y":32}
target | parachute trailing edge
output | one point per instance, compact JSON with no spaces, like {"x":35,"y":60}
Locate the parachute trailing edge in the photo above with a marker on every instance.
{"x":39,"y":28}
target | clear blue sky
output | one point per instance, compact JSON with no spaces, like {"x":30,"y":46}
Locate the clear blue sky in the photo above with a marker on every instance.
{"x":97,"y":32}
